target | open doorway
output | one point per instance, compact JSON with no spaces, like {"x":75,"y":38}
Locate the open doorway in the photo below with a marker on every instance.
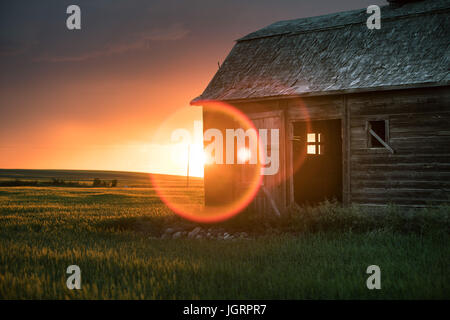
{"x":317,"y":149}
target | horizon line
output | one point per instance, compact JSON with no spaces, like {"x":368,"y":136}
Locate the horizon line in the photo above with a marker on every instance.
{"x":106,"y":170}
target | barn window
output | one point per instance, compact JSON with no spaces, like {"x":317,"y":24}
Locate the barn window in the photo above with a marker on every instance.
{"x":314,"y":143}
{"x":379,"y":127}
{"x":378,"y":134}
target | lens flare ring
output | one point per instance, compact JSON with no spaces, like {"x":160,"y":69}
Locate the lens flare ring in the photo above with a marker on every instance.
{"x":185,"y":201}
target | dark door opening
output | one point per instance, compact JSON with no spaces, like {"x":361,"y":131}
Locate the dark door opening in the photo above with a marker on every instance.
{"x":317,"y":161}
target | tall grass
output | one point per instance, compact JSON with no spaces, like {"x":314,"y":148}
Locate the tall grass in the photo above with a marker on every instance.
{"x":312,"y":253}
{"x":333,"y":217}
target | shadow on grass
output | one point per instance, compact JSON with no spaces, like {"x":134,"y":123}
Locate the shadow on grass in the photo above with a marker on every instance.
{"x":147,"y":226}
{"x":327,"y":217}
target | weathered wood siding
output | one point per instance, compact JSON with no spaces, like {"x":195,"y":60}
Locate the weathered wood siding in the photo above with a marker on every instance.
{"x":270,"y":115}
{"x":418,"y":173}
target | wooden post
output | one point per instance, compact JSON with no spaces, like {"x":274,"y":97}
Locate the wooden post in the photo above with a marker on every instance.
{"x":346,"y":151}
{"x":188,"y":158}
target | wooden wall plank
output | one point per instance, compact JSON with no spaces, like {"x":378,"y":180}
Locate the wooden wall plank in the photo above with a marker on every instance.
{"x":419,"y":133}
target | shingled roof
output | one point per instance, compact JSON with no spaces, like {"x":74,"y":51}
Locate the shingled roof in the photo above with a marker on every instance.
{"x":337,"y":53}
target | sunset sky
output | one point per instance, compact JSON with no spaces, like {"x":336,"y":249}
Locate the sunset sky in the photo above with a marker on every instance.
{"x":96,"y":98}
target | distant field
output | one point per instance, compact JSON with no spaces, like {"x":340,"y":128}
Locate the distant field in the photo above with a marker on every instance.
{"x":111,"y":234}
{"x":125,"y":179}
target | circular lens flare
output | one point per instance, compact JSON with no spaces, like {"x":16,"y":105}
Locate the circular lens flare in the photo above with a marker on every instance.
{"x":231,"y":179}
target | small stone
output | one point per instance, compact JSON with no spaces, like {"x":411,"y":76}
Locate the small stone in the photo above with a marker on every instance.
{"x":194,"y":232}
{"x":199,"y":236}
{"x":169,"y":231}
{"x":177,"y":235}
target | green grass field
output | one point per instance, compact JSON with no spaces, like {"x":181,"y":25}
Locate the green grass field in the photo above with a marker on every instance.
{"x":111,"y":233}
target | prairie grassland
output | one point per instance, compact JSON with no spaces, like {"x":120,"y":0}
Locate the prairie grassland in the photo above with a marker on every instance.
{"x":111,"y":234}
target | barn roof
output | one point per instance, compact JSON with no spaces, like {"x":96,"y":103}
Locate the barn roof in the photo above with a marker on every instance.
{"x":338,"y":53}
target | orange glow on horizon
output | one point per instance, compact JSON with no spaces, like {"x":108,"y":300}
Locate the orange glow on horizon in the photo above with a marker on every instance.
{"x":95,"y":121}
{"x":194,"y":152}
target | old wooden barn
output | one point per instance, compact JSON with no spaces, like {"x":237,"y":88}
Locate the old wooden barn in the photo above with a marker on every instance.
{"x":368,"y":111}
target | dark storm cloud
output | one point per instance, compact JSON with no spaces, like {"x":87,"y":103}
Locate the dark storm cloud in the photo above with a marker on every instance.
{"x":108,"y":27}
{"x":37,"y":28}
{"x":11,"y":47}
{"x":133,"y":42}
